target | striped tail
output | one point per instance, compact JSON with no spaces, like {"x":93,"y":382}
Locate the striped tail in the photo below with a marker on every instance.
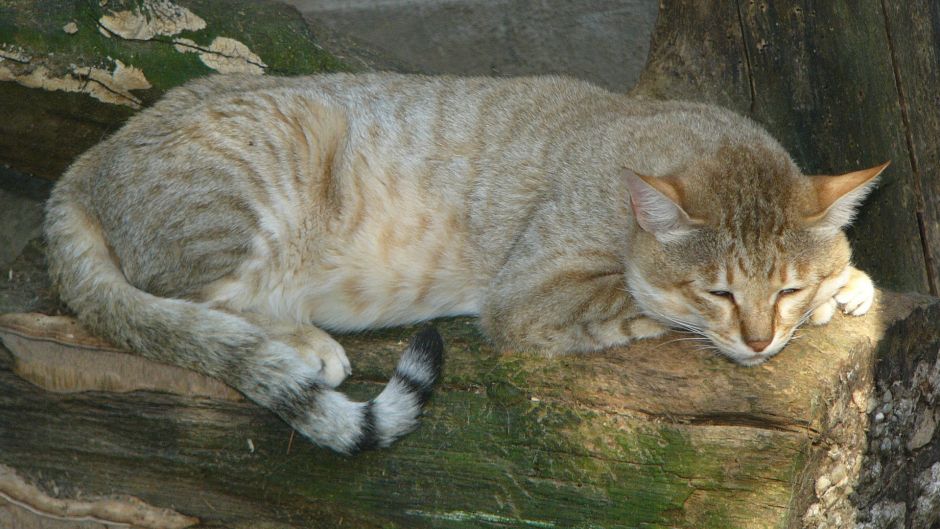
{"x":331,"y":419}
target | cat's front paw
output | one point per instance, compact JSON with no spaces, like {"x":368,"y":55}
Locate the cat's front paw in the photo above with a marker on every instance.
{"x":857,"y":295}
{"x":823,"y":313}
{"x":643,"y":327}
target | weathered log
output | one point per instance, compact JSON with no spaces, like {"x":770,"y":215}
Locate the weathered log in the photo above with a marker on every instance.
{"x":899,"y":483}
{"x":74,"y":71}
{"x":654,"y":434}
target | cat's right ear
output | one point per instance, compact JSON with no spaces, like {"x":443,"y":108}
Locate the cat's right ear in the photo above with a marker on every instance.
{"x":838,"y":198}
{"x":656,"y":207}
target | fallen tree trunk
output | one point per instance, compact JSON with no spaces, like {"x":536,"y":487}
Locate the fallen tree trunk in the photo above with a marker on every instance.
{"x":653,"y":435}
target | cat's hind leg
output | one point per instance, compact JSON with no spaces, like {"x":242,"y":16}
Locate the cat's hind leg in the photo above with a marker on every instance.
{"x":319,"y":350}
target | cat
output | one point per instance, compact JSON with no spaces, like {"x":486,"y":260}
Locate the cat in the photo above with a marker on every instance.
{"x":225,"y":226}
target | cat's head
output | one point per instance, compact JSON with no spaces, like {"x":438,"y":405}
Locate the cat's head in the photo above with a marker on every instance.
{"x":740,"y":248}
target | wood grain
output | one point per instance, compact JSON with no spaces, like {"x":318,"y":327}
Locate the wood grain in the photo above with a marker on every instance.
{"x":652,"y":434}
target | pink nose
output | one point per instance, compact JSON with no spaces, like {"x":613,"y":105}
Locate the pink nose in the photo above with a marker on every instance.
{"x":758,"y":345}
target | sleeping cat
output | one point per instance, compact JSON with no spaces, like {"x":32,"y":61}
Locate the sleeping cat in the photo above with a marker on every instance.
{"x":224,"y":227}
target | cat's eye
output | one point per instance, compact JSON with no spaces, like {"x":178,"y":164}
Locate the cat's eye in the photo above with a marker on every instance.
{"x":722,"y":294}
{"x":788,"y":291}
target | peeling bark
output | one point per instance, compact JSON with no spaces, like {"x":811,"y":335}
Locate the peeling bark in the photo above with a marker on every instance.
{"x":56,"y":354}
{"x":122,"y":55}
{"x":125,"y":511}
{"x":150,"y":19}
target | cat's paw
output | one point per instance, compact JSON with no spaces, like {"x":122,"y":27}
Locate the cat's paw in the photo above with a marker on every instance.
{"x":323,"y":355}
{"x":334,"y":364}
{"x":612,"y":333}
{"x":644,"y":327}
{"x":857,"y":295}
{"x":823,"y":313}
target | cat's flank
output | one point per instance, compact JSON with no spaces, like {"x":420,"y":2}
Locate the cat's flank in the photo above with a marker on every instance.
{"x":224,"y":227}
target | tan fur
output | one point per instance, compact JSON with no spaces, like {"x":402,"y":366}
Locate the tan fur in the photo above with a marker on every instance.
{"x":569,"y":218}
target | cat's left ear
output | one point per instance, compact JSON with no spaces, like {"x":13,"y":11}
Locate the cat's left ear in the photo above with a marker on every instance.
{"x":657,"y":207}
{"x":838,"y":198}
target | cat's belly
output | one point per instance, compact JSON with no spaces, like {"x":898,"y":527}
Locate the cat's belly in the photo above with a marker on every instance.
{"x":377,"y":279}
{"x":354,"y":298}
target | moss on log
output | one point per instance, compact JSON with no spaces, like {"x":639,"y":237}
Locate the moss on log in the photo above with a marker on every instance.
{"x":654,"y":435}
{"x":72,"y":71}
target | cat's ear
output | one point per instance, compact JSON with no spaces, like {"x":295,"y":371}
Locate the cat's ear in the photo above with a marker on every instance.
{"x":657,"y":207}
{"x":838,"y":197}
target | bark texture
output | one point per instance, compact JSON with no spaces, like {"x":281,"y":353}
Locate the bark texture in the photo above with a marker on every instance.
{"x":73,"y":71}
{"x":654,"y":435}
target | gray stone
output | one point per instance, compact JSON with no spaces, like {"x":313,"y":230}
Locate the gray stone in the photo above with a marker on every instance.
{"x":605,"y":42}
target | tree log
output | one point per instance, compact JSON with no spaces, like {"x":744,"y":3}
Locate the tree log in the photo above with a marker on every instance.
{"x":74,"y":71}
{"x":652,"y":435}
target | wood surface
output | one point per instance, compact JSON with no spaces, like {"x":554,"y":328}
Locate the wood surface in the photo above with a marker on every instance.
{"x":654,"y":435}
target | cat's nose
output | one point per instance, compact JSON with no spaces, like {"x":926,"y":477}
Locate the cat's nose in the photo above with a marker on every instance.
{"x":758,"y":345}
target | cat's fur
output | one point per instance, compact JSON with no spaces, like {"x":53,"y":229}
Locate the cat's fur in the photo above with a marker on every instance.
{"x":223,"y":227}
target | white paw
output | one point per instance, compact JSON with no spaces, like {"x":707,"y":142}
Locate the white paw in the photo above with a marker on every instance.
{"x":644,"y":327}
{"x":334,"y":364}
{"x":823,"y":313}
{"x":857,"y":295}
{"x":323,"y":354}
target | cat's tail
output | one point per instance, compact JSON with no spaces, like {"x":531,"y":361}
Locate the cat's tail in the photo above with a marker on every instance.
{"x":227,"y":346}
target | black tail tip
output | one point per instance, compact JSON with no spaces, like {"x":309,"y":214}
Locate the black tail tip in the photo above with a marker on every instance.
{"x":430,"y":346}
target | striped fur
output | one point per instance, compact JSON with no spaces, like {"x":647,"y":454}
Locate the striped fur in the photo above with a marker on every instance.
{"x":225,"y":227}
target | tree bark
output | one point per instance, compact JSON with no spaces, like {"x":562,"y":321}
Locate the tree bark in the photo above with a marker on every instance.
{"x":654,"y":434}
{"x":74,"y":71}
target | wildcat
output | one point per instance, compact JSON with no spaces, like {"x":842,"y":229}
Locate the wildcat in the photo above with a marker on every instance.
{"x":224,"y":227}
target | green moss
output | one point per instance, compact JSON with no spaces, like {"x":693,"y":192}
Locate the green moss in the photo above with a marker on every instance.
{"x":543,"y":465}
{"x":275,"y":32}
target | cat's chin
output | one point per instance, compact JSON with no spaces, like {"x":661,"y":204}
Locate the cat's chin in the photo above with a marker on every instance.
{"x":751,"y":361}
{"x":750,"y":358}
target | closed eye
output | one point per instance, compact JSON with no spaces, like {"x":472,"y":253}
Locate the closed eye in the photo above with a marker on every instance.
{"x":788,"y":291}
{"x":722,"y":294}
